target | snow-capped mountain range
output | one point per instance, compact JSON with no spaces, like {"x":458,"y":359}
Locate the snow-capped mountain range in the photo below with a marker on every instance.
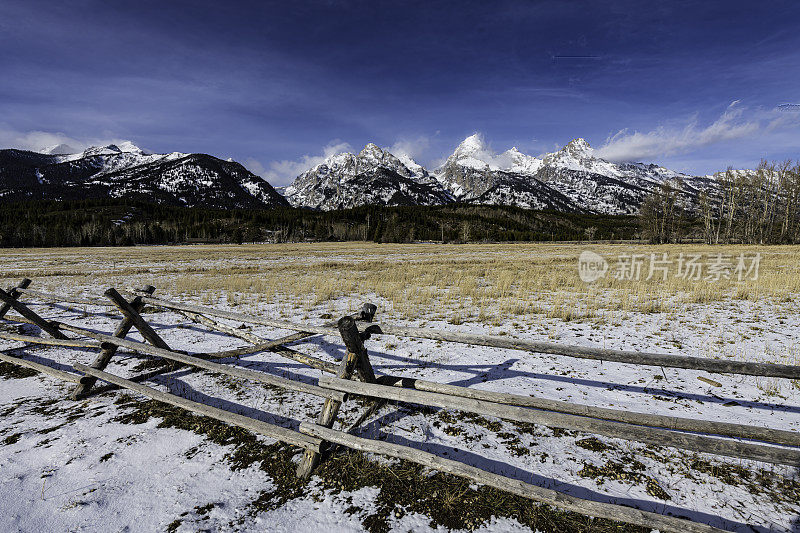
{"x":373,"y":176}
{"x":126,"y":171}
{"x":572,"y":179}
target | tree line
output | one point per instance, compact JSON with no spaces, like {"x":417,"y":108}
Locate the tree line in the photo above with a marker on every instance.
{"x":760,"y":206}
{"x":116,"y":222}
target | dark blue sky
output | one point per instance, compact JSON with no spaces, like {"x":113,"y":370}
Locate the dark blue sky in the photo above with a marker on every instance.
{"x":274,"y":83}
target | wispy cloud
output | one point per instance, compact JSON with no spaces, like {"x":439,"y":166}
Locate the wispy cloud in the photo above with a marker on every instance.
{"x":40,"y":140}
{"x":282,"y":172}
{"x":737,"y":122}
{"x":35,"y":140}
{"x":414,"y":148}
{"x":255,"y":166}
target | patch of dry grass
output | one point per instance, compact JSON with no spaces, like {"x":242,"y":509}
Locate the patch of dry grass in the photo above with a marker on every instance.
{"x":475,"y":282}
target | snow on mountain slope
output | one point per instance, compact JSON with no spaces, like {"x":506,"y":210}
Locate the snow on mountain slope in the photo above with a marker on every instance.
{"x":522,"y":163}
{"x":373,"y":176}
{"x":417,"y":169}
{"x":578,"y":155}
{"x":611,"y":188}
{"x":476,"y":174}
{"x":508,"y":188}
{"x":473,"y":169}
{"x":570,"y":179}
{"x":195,"y":179}
{"x":127,"y":171}
{"x":474,"y":153}
{"x":572,"y":175}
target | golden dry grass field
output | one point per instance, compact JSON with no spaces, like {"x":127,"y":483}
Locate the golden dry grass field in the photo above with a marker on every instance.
{"x":460,"y":283}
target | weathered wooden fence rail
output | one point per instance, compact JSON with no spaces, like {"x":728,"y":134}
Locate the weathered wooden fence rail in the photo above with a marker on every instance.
{"x":494,"y":341}
{"x":656,"y":436}
{"x":316,"y":439}
{"x":693,"y":425}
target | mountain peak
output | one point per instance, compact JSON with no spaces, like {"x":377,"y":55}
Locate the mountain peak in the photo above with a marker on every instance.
{"x":578,"y":148}
{"x":60,"y":149}
{"x":475,"y":154}
{"x":471,"y":152}
{"x":124,"y":147}
{"x":372,"y":150}
{"x":122,"y":170}
{"x":128,"y":146}
{"x":473,"y":143}
{"x":102,"y":150}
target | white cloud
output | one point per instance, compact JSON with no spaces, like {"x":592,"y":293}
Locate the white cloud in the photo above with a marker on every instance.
{"x":255,"y":166}
{"x":282,"y":172}
{"x":39,"y":140}
{"x":736,"y":122}
{"x":413,"y":148}
{"x":35,"y":140}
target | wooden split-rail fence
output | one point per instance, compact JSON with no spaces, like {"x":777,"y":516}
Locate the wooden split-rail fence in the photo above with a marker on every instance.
{"x":354,"y":376}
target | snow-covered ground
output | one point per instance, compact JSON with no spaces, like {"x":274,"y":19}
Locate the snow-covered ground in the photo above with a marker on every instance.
{"x":117,"y":463}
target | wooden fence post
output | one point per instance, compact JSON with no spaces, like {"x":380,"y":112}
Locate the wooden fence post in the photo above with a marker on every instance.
{"x":107,"y":350}
{"x":352,"y":339}
{"x":136,"y":319}
{"x":23,"y":309}
{"x":368,"y":312}
{"x":14,"y":293}
{"x":355,"y":344}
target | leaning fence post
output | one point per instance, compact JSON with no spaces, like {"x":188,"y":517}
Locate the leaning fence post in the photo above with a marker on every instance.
{"x":107,"y":350}
{"x":136,"y":319}
{"x":355,"y":341}
{"x":354,"y":345}
{"x":23,"y":309}
{"x":14,"y":293}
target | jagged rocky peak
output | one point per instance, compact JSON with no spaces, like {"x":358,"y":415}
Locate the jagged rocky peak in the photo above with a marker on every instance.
{"x":372,"y":151}
{"x":474,"y":153}
{"x":470,"y":170}
{"x":471,"y":152}
{"x":578,"y":148}
{"x":373,"y":176}
{"x":373,"y":155}
{"x":470,"y":145}
{"x":573,"y":155}
{"x":417,"y":169}
{"x":575,"y":150}
{"x":128,"y":146}
{"x":516,"y":161}
{"x":125,"y":147}
{"x":102,"y":150}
